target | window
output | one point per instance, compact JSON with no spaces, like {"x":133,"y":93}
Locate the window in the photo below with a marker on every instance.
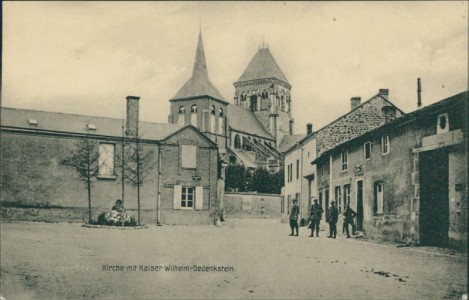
{"x":187,"y":197}
{"x":194,"y":115}
{"x":443,"y":123}
{"x":181,"y":115}
{"x":344,"y":160}
{"x":189,"y":156}
{"x":367,"y":150}
{"x":297,"y":197}
{"x":220,"y":121}
{"x":346,"y":195}
{"x":385,"y":144}
{"x":379,"y":198}
{"x":291,"y":172}
{"x":297,"y":168}
{"x":106,"y":159}
{"x":338,"y":198}
{"x":288,"y":204}
{"x":237,"y":142}
{"x":212,"y":119}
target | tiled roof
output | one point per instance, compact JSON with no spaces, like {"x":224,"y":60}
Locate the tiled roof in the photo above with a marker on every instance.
{"x":71,"y":123}
{"x":244,"y":120}
{"x":262,"y":65}
{"x":360,"y":120}
{"x":199,"y":84}
{"x":289,"y":140}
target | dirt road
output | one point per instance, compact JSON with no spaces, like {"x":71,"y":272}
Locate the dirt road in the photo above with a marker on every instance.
{"x":245,"y":259}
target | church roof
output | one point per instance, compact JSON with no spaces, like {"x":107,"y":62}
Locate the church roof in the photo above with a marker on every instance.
{"x":262,"y":65}
{"x":199,"y":84}
{"x":244,"y":120}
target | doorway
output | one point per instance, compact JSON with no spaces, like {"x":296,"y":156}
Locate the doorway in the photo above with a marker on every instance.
{"x":360,"y":205}
{"x":434,"y":199}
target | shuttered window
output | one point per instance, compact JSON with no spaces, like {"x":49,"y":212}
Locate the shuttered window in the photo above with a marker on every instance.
{"x":106,"y":159}
{"x":188,"y":197}
{"x":189,"y":156}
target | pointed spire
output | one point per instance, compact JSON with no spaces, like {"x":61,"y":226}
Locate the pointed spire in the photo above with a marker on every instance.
{"x":199,"y":84}
{"x":200,"y":65}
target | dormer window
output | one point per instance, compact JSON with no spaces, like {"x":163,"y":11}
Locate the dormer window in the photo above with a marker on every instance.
{"x":442,"y":123}
{"x":32,"y":122}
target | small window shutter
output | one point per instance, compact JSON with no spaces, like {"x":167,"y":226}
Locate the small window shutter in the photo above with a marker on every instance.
{"x":177,"y":197}
{"x":199,"y":197}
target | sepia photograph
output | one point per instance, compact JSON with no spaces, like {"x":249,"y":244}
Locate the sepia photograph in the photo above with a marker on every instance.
{"x":234,"y":150}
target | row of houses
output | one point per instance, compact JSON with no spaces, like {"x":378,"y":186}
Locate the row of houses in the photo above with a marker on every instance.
{"x":404,"y":174}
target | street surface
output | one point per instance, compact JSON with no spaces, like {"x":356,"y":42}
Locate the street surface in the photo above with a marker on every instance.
{"x":247,"y":259}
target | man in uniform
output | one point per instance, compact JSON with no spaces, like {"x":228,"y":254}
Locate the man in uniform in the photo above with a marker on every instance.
{"x":315,"y":217}
{"x":295,"y":210}
{"x":349,"y":215}
{"x":332,"y":218}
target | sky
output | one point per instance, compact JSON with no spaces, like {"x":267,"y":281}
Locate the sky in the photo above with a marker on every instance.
{"x":86,"y":57}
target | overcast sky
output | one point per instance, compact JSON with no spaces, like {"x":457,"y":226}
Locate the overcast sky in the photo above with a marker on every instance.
{"x":86,"y":57}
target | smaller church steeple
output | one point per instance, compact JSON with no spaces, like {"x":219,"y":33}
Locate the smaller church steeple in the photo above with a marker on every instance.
{"x":200,"y":65}
{"x":199,"y":84}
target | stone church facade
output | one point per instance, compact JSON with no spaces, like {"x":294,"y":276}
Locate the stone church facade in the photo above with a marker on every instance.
{"x":251,"y":130}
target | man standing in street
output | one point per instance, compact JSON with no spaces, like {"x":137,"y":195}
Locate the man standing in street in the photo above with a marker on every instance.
{"x":295,"y":210}
{"x":315,"y":217}
{"x":349,"y":215}
{"x":332,"y":217}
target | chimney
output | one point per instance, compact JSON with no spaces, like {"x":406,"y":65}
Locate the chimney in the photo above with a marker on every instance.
{"x":355,"y":102}
{"x":389,"y":113}
{"x":419,"y":93}
{"x":309,"y":128}
{"x":132,"y":116}
{"x":384,"y":93}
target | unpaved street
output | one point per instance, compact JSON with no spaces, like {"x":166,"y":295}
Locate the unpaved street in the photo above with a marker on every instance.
{"x":66,"y":261}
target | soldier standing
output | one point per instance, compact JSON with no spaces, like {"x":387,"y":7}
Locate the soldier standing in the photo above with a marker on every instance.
{"x":295,"y":210}
{"x":332,"y":217}
{"x":315,"y":217}
{"x":349,"y":215}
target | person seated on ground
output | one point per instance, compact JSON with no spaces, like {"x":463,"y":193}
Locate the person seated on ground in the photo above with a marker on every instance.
{"x":118,"y":206}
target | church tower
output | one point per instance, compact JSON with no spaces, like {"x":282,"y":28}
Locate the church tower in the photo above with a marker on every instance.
{"x":264,"y":90}
{"x":199,"y":103}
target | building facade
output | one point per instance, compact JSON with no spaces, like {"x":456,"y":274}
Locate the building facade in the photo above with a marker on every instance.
{"x":301,"y":178}
{"x":407,"y":179}
{"x":179,"y":180}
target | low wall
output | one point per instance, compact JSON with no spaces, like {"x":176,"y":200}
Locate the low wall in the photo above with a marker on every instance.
{"x":251,"y":205}
{"x":66,"y":214}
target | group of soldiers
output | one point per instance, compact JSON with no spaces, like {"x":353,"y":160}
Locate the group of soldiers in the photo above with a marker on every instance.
{"x":315,"y":216}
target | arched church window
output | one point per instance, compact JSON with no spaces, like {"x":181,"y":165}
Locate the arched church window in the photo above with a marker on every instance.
{"x":282,"y":101}
{"x":254,"y":103}
{"x":181,"y":116}
{"x":212,"y":119}
{"x":194,"y":115}
{"x":220,"y":121}
{"x":237,"y":142}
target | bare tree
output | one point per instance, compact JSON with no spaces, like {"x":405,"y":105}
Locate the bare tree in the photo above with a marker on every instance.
{"x":85,"y":159}
{"x":138,"y":166}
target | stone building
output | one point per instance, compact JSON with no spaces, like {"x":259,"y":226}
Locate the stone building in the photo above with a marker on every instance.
{"x":251,"y":130}
{"x":406,"y":179}
{"x":301,"y":178}
{"x":181,"y":186}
